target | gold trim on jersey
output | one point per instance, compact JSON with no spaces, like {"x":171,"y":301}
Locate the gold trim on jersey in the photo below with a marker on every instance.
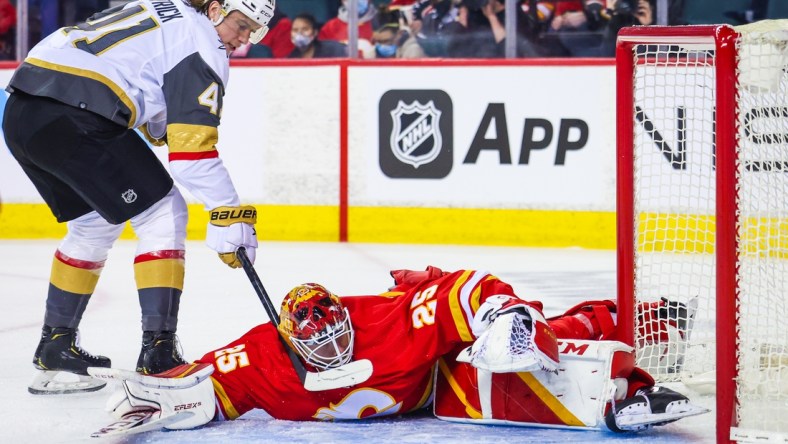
{"x":73,"y":279}
{"x":159,"y":273}
{"x":549,"y":400}
{"x":458,"y":391}
{"x":186,"y":138}
{"x":146,"y":24}
{"x":224,"y":400}
{"x":456,"y":308}
{"x":117,"y":90}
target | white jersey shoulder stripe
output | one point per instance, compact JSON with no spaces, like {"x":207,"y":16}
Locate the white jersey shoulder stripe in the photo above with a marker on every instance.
{"x":467,"y":290}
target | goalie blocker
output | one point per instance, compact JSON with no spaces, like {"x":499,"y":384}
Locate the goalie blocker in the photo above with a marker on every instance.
{"x":614,"y":394}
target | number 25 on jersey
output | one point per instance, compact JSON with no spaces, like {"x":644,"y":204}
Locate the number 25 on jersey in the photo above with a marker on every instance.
{"x":423,"y":307}
{"x":231,"y":358}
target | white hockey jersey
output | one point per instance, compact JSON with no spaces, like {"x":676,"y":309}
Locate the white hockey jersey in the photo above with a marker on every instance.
{"x":154,"y":63}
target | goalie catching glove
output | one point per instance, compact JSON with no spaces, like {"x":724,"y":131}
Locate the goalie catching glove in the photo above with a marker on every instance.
{"x":512,"y":337}
{"x":230,"y":228}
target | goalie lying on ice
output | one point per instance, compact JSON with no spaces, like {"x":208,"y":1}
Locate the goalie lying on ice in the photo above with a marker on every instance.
{"x":456,"y":337}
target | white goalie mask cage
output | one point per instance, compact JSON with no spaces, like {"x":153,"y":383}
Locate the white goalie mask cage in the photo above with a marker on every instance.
{"x":329,"y":348}
{"x":261,"y":11}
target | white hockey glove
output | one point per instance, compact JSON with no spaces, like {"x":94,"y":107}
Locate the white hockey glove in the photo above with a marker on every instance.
{"x":174,"y":406}
{"x":512,"y":337}
{"x":230,"y":228}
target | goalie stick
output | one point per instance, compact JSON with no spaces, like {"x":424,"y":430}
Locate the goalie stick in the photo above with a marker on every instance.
{"x":152,"y":381}
{"x":347,"y":375}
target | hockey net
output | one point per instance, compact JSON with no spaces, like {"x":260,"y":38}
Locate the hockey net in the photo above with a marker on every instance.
{"x":702,"y":116}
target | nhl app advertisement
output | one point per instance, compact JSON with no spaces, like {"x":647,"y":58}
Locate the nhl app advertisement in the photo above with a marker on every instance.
{"x":450,"y":145}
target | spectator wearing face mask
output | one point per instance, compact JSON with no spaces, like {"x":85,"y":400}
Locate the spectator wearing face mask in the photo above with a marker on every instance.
{"x":385,"y":40}
{"x":303,"y":35}
{"x":336,"y":28}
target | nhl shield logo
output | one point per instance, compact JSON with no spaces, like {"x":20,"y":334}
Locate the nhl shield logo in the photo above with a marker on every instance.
{"x":129,"y":196}
{"x":416,"y":137}
{"x":415,"y":134}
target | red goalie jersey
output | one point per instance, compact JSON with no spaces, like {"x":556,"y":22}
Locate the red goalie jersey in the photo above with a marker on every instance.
{"x":403,"y":332}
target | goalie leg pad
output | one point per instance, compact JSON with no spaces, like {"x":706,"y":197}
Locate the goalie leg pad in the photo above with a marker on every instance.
{"x":193,"y":404}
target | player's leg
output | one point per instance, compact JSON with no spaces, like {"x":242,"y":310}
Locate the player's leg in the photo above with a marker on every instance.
{"x":115,"y":172}
{"x":38,"y":136}
{"x":159,"y":270}
{"x":80,"y":162}
{"x":76,"y":267}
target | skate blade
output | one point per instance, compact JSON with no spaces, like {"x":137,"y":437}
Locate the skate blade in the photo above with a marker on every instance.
{"x":636,"y":421}
{"x":55,"y":382}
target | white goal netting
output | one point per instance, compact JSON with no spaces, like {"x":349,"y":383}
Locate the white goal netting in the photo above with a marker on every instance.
{"x":675,"y":217}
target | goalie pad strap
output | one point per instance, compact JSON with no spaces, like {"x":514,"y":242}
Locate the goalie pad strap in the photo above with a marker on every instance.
{"x":602,"y":315}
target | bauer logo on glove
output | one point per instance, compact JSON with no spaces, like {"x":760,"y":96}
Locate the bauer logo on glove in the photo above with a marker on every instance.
{"x":231,"y":228}
{"x":224,"y":216}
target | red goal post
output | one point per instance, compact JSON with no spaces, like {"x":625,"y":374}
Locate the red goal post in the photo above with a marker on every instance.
{"x":702,"y":212}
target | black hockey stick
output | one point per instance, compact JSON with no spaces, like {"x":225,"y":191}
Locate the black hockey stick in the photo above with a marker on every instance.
{"x":270,"y":310}
{"x":347,"y":375}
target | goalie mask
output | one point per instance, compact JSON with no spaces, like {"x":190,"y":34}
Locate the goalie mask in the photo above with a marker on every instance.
{"x":317,"y":326}
{"x":260,"y":11}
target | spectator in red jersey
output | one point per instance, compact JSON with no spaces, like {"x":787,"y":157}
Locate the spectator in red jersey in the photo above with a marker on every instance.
{"x":303,"y":34}
{"x":7,"y":27}
{"x":336,"y":28}
{"x":275,"y":44}
{"x":278,"y":37}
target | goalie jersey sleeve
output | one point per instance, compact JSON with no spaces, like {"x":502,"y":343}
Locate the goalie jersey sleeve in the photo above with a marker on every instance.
{"x":403,"y":333}
{"x":157,"y":64}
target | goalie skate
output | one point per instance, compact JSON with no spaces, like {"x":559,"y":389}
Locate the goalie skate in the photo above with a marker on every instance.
{"x":654,"y":406}
{"x":56,"y":382}
{"x":663,"y":330}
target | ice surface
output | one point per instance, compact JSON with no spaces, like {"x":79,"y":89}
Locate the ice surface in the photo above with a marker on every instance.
{"x":219,"y":304}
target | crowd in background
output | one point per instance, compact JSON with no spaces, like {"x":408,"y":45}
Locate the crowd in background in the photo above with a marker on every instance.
{"x":430,"y":28}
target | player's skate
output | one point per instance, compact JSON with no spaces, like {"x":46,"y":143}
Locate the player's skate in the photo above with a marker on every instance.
{"x":652,"y":406}
{"x":518,"y":340}
{"x":62,"y":364}
{"x":160,"y":352}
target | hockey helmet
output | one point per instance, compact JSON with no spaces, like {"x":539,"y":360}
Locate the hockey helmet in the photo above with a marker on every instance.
{"x":261,"y":11}
{"x":317,"y":325}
